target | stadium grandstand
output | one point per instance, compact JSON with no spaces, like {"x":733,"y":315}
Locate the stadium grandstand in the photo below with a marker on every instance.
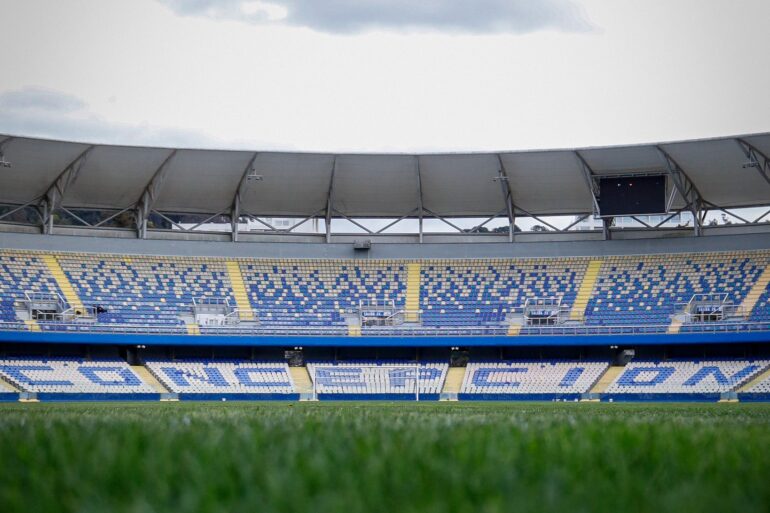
{"x":137,"y":273}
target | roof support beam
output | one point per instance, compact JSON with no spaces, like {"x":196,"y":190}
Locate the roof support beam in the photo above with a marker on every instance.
{"x":150,"y":195}
{"x":260,"y":221}
{"x":235,"y":210}
{"x":53,"y":196}
{"x":444,"y":220}
{"x":330,"y":202}
{"x":687,"y":189}
{"x":478,"y":227}
{"x":308,"y":218}
{"x":757,"y":159}
{"x":590,"y":178}
{"x":367,"y":230}
{"x":593,"y":188}
{"x":420,"y":212}
{"x":505,"y":187}
{"x":396,"y":221}
{"x":20,"y":207}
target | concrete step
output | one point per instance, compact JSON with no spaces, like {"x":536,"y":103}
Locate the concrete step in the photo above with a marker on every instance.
{"x":756,"y":379}
{"x":606,"y":379}
{"x":453,"y":383}
{"x":301,"y":379}
{"x":146,"y":376}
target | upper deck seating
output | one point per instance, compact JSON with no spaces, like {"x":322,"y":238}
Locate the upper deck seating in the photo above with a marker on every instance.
{"x":144,"y":290}
{"x":634,"y":290}
{"x":316,"y":293}
{"x":21,"y":272}
{"x":483,"y":292}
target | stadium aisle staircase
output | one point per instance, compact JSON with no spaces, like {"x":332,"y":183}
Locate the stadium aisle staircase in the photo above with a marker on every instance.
{"x":759,"y":287}
{"x":354,"y":330}
{"x":453,"y":382}
{"x":609,"y":376}
{"x":675,"y":326}
{"x":63,"y":282}
{"x":756,"y":379}
{"x":193,"y":328}
{"x":301,"y":379}
{"x":412,"y":292}
{"x":585,"y":290}
{"x":7,"y":387}
{"x":514,"y":329}
{"x":146,"y":376}
{"x":245,"y":312}
{"x":32,"y":325}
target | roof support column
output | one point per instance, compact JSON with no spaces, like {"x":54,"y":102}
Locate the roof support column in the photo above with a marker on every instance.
{"x":754,"y":156}
{"x":330,"y":203}
{"x":235,"y":211}
{"x":686,"y":188}
{"x":150,"y":195}
{"x":420,"y":212}
{"x":53,"y":196}
{"x":505,"y":187}
{"x":593,"y":188}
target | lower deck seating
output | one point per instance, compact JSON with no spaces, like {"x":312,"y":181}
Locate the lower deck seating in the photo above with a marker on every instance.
{"x":203,"y":376}
{"x":72,"y":376}
{"x":377,"y":377}
{"x":650,"y":377}
{"x":531,"y":378}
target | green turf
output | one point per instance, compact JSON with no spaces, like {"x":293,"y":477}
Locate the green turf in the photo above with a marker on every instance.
{"x":384,"y":457}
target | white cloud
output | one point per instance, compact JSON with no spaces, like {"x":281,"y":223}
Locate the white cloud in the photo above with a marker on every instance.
{"x":354,"y":16}
{"x":39,"y":112}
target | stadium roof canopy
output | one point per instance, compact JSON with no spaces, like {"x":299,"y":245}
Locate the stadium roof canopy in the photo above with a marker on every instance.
{"x":723,"y":172}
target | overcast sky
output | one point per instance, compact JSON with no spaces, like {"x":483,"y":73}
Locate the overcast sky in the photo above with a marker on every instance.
{"x":384,"y":75}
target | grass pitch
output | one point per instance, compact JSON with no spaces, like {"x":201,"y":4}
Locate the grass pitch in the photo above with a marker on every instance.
{"x":245,"y":458}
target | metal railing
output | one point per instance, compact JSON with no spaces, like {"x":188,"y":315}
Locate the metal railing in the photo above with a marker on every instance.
{"x":381,"y":331}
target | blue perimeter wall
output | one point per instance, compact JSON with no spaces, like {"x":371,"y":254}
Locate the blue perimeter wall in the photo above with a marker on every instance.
{"x":343,"y":341}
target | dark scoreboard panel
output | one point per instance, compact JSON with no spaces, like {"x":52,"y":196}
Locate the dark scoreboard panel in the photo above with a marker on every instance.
{"x":632,"y":195}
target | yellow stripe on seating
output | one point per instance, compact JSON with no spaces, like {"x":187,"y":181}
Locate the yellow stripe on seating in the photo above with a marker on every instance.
{"x":245,"y":312}
{"x":578,"y":311}
{"x":759,"y":287}
{"x":68,"y":291}
{"x":412,"y":291}
{"x":32,"y":325}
